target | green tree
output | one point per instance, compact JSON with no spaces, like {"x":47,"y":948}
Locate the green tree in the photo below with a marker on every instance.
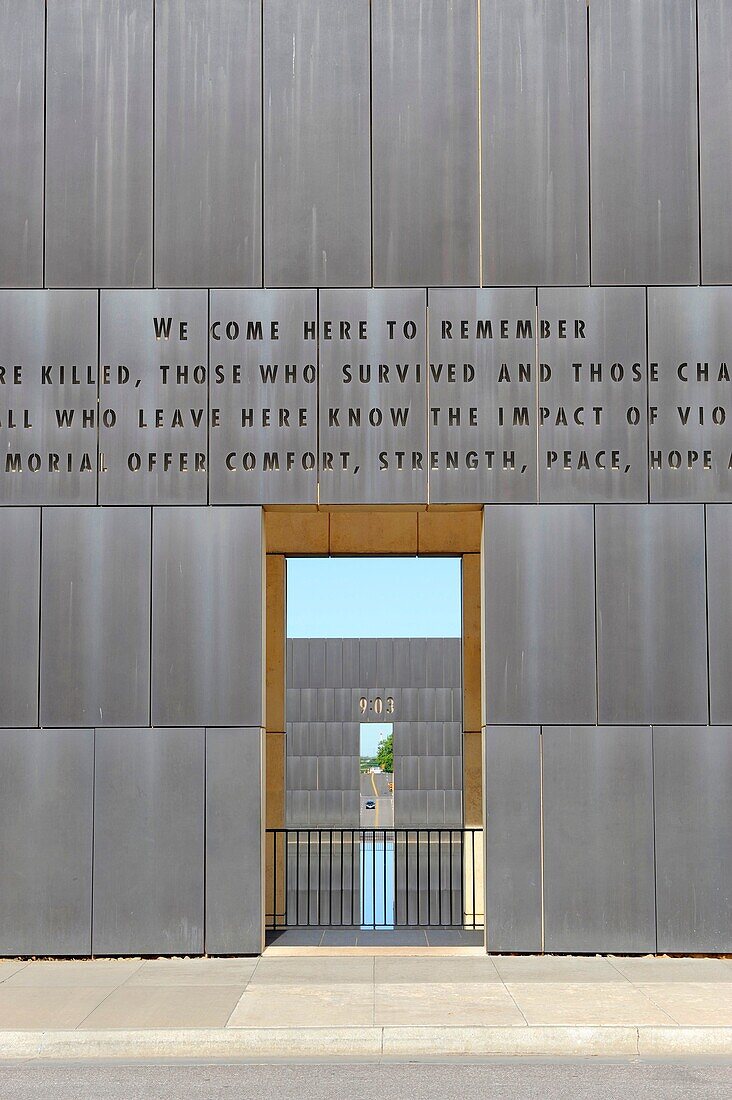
{"x":385,"y":753}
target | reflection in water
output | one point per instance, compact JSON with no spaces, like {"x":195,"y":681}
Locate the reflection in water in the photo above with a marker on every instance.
{"x":386,"y":879}
{"x":377,"y":881}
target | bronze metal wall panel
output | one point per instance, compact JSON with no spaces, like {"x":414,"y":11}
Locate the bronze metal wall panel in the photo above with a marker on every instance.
{"x":651,"y":614}
{"x":593,"y":394}
{"x":317,"y":101}
{"x":719,"y":610}
{"x":512,"y":808}
{"x":264,"y":397}
{"x":482,"y":395}
{"x":99,"y":143}
{"x":22,"y":77}
{"x":535,"y":179}
{"x":425,"y":142}
{"x":373,"y":366}
{"x":148,"y":842}
{"x":153,"y":435}
{"x":46,"y":799}
{"x":715,"y":138}
{"x":693,"y":776}
{"x":234,"y":870}
{"x":207,"y":625}
{"x":643,"y":141}
{"x":95,"y":616}
{"x":48,"y":396}
{"x":689,"y":384}
{"x":208,"y":143}
{"x":539,"y":614}
{"x":598,"y":839}
{"x":20,"y":570}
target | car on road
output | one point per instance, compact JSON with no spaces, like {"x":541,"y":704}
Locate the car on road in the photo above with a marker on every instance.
{"x":370,"y":805}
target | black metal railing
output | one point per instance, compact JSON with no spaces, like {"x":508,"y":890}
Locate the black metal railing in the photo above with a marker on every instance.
{"x":374,"y":878}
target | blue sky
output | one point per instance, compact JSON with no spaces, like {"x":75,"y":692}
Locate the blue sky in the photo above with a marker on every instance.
{"x":373,"y":597}
{"x":371,"y":734}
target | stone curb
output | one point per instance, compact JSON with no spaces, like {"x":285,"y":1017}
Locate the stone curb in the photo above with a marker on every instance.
{"x":367,"y":1042}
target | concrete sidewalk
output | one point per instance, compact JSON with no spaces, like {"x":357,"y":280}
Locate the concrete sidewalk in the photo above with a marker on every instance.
{"x":369,"y":1005}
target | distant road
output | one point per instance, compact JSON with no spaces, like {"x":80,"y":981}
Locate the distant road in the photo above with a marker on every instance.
{"x":375,"y":787}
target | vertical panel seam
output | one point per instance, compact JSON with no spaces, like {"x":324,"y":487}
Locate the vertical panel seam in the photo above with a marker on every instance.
{"x":589,"y":150}
{"x":706,"y":611}
{"x":597,"y":615}
{"x":537,"y":359}
{"x":99,"y":388}
{"x":150,"y":633}
{"x":648,"y":403}
{"x":153,"y":278}
{"x":262,"y":277}
{"x":541,"y":837}
{"x":45,"y":142}
{"x":698,"y":140}
{"x":93,"y":819}
{"x":426,"y":410}
{"x":208,"y":397}
{"x":480,"y":147}
{"x":653,"y":808}
{"x":40,"y":614}
{"x":371,"y":133}
{"x":204,"y":944}
{"x":318,"y":470}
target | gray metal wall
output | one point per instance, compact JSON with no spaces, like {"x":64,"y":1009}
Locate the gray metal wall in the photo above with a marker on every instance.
{"x":338,"y":144}
{"x":372,"y":161}
{"x":335,"y":684}
{"x":611,"y":832}
{"x":156,"y":831}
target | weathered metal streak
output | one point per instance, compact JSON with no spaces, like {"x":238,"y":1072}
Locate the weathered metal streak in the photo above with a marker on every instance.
{"x":643,"y":141}
{"x":95,"y":617}
{"x":99,"y":143}
{"x":208,"y":143}
{"x":536,"y":217}
{"x":424,"y":101}
{"x":46,"y":800}
{"x":20,"y":569}
{"x":598,"y":839}
{"x":651,"y":615}
{"x":22,"y":78}
{"x":715,"y":138}
{"x":317,"y":100}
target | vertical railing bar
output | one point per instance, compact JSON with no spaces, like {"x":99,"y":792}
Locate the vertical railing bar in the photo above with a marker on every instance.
{"x":396,"y":882}
{"x":373,"y":875}
{"x":330,"y":879}
{"x":439,"y":876}
{"x":462,"y":877}
{"x":320,"y":870}
{"x":274,"y":879}
{"x":297,"y":879}
{"x":343,"y":845}
{"x":310,"y":840}
{"x":452,"y":918}
{"x":429,"y":877}
{"x":286,"y":856}
{"x":472,"y":877}
{"x":416,"y":849}
{"x":383,"y":837}
{"x":353,"y":886}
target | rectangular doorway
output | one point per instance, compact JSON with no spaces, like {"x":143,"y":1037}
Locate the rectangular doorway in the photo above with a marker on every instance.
{"x":374,"y":833}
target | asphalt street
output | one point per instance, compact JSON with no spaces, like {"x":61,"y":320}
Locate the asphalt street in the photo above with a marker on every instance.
{"x":375,"y":788}
{"x":370,"y":1081}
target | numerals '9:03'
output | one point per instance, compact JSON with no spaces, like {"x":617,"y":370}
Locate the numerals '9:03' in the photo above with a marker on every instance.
{"x":377,"y":705}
